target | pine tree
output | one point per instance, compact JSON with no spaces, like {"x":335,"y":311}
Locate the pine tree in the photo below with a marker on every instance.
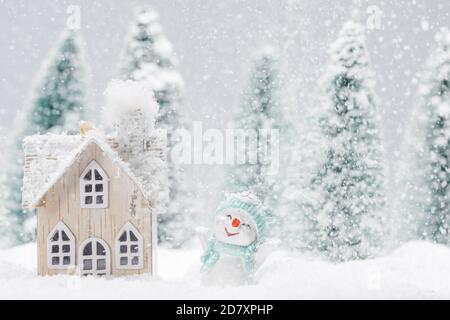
{"x":260,"y":110}
{"x":149,"y":57}
{"x":58,"y":105}
{"x":436,"y":92}
{"x":350,"y":180}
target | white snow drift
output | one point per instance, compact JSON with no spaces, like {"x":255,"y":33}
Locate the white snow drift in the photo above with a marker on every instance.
{"x":415,"y":270}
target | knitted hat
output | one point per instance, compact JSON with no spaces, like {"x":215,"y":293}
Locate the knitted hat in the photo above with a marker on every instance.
{"x":248,"y":202}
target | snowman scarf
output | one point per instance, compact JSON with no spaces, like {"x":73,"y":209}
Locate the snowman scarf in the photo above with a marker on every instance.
{"x":216,"y":248}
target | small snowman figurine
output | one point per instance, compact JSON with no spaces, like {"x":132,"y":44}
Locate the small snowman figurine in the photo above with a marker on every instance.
{"x":238,"y":230}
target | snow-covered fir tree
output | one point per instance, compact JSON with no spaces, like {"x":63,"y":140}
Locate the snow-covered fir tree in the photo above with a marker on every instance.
{"x":259,"y":112}
{"x":149,"y":57}
{"x":420,"y":208}
{"x":436,"y":92}
{"x":57,"y":105}
{"x":351,"y":178}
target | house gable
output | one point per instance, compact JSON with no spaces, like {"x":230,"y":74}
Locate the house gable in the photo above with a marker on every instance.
{"x":126,"y":205}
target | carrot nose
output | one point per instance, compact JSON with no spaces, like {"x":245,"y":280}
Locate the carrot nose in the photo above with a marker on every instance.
{"x":235,"y":223}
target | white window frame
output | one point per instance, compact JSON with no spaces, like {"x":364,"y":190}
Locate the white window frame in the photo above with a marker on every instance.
{"x":94,"y":257}
{"x":59,"y":227}
{"x":128,"y":227}
{"x":93,"y":165}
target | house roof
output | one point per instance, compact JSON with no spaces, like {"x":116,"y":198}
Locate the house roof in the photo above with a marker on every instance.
{"x":49,"y":156}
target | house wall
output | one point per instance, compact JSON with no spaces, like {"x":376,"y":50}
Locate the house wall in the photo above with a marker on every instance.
{"x":62,"y":203}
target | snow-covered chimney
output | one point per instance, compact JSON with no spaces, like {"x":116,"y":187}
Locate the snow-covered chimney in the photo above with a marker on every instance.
{"x":131,"y":109}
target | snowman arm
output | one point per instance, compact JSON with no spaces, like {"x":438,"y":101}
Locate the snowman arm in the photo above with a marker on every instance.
{"x":203,"y":234}
{"x":211,"y":256}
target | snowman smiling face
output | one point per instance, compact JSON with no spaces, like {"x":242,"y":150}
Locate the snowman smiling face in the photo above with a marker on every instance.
{"x":234,"y":226}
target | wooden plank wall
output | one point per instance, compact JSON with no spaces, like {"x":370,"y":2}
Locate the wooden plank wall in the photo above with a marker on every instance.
{"x":62,"y":203}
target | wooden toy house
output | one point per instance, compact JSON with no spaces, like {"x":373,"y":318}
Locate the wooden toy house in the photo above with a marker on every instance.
{"x":96,"y":197}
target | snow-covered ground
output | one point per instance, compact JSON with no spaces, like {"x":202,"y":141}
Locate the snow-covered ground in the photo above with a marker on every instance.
{"x":415,"y":270}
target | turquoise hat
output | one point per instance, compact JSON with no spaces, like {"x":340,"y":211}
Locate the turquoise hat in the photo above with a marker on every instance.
{"x":248,"y":202}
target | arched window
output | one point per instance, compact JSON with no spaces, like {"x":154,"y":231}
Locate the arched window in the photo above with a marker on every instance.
{"x":94,"y":187}
{"x":60,"y":247}
{"x":129,"y":248}
{"x":94,"y":258}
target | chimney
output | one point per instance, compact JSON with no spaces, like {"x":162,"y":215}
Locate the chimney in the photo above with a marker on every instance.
{"x":132,"y":133}
{"x":130,"y":109}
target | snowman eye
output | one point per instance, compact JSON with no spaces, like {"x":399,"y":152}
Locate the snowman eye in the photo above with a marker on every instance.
{"x":246,"y":226}
{"x":229,"y":216}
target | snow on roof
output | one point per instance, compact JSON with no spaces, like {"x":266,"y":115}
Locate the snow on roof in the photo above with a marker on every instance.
{"x":45,"y":155}
{"x":50,"y":155}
